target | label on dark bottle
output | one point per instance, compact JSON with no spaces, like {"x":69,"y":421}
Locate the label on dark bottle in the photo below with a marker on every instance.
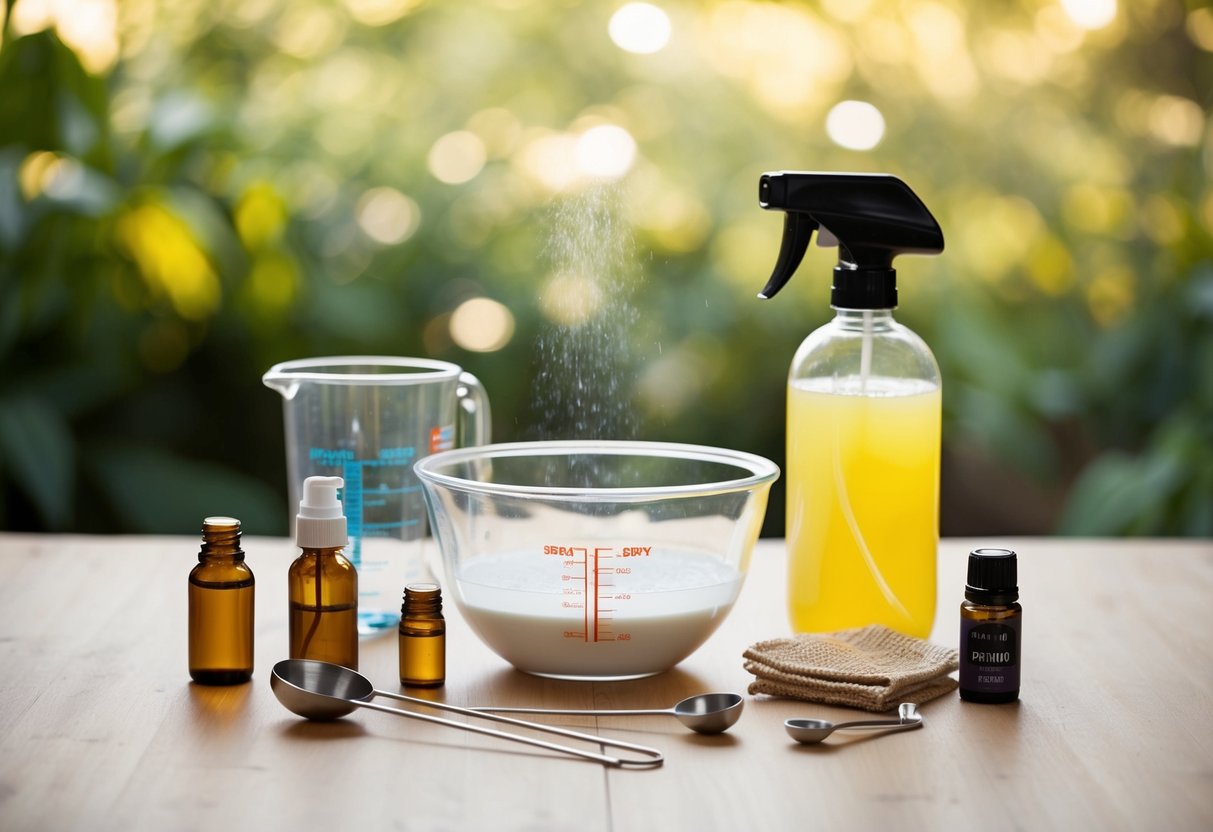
{"x":989,"y":655}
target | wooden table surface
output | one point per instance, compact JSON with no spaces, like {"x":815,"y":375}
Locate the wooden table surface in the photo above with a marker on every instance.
{"x":100,"y":727}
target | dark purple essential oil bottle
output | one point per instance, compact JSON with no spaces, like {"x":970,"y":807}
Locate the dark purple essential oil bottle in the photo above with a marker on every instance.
{"x":990,"y":620}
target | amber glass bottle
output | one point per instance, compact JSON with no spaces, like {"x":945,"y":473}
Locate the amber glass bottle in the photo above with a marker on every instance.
{"x":221,"y":607}
{"x":322,"y":584}
{"x":422,"y":637}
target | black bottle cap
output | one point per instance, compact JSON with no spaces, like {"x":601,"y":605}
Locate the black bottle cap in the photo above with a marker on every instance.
{"x":993,"y":576}
{"x":864,"y":288}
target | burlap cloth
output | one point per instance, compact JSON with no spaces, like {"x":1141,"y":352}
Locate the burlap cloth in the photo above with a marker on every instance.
{"x":872,"y":668}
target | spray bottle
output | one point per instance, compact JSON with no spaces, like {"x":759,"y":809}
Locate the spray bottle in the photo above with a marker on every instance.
{"x":322,"y":584}
{"x":863,"y":435}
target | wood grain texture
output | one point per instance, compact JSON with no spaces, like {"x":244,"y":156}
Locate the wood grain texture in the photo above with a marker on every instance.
{"x":100,"y":727}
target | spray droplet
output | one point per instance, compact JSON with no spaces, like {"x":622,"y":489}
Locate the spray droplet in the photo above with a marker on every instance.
{"x":585,"y":370}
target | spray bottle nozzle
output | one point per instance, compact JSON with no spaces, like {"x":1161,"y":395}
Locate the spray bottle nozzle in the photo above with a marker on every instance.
{"x":871,"y":217}
{"x":320,"y":523}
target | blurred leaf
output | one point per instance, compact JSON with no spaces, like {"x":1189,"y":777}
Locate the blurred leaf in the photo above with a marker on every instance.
{"x":1012,"y":435}
{"x":179,"y":117}
{"x":212,"y":227}
{"x":157,"y":492}
{"x":76,"y":388}
{"x":37,"y":446}
{"x":89,"y":192}
{"x":1200,"y":292}
{"x":49,"y":101}
{"x":1107,"y":493}
{"x":1122,"y":494}
{"x":1197,"y":505}
{"x":12,"y":208}
{"x":361,"y":313}
{"x":10,"y":314}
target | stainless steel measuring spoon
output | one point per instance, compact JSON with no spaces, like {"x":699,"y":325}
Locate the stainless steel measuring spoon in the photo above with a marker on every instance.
{"x":323,"y":691}
{"x":707,"y":713}
{"x":809,"y":731}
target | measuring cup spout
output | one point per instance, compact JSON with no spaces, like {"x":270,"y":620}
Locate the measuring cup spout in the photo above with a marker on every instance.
{"x":282,"y":382}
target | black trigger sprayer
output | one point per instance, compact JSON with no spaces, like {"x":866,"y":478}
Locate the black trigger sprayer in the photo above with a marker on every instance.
{"x":871,"y":217}
{"x":863,"y":411}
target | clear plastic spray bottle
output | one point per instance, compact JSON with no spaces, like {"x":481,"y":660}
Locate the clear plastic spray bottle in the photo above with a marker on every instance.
{"x":322,"y":584}
{"x":864,"y":395}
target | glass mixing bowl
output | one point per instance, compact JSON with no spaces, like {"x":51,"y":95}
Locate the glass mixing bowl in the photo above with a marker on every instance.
{"x":595,"y":559}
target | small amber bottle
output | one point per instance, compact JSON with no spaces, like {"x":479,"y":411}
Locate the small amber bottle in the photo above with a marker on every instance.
{"x":322,"y":584}
{"x":422,"y":637}
{"x":990,"y":620}
{"x":221,"y":607}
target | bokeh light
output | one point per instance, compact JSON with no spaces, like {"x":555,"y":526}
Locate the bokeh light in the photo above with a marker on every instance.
{"x":89,"y":27}
{"x":170,"y":261}
{"x":37,"y":171}
{"x":943,"y":56}
{"x":481,"y":325}
{"x":1199,"y":25}
{"x":457,"y":157}
{"x":787,"y":56}
{"x":855,"y":125}
{"x":380,"y":12}
{"x":549,"y":159}
{"x":640,"y":27}
{"x":1176,"y":120}
{"x":387,"y":216}
{"x":570,"y":299}
{"x":605,"y":151}
{"x":309,"y":31}
{"x":1090,"y":14}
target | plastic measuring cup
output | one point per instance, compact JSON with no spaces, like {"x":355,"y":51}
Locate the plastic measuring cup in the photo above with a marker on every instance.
{"x":595,"y":559}
{"x":367,"y":419}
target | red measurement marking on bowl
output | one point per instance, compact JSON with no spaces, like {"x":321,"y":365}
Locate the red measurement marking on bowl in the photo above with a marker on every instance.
{"x":588,"y":584}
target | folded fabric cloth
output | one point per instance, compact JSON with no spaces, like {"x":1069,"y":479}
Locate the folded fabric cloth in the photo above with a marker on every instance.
{"x":872,"y":668}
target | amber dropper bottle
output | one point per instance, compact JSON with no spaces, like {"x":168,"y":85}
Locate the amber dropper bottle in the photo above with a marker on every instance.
{"x":221,"y":607}
{"x":322,"y":585}
{"x":422,"y":637}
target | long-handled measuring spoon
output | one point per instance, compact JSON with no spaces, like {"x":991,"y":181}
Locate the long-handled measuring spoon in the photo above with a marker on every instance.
{"x":707,"y":713}
{"x":323,"y":691}
{"x":809,"y":731}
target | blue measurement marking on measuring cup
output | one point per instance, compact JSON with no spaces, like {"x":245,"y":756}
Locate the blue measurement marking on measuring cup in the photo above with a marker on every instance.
{"x":351,"y":501}
{"x":358,"y":500}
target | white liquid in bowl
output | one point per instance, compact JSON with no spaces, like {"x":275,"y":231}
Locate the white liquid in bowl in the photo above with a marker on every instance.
{"x":545,"y":617}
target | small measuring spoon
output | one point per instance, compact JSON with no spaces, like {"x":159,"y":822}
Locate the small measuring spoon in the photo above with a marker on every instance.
{"x":809,"y":731}
{"x":324,"y":691}
{"x":706,"y":713}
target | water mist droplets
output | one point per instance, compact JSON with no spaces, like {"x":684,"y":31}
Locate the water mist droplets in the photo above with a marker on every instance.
{"x":584,"y":363}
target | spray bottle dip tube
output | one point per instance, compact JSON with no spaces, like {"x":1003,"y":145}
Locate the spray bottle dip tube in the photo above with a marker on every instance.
{"x":322,"y":583}
{"x":864,"y":402}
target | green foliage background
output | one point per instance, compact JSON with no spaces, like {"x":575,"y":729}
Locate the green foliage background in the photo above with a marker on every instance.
{"x":183,"y":213}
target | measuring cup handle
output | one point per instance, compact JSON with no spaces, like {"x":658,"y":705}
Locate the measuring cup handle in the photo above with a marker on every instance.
{"x":475,"y":417}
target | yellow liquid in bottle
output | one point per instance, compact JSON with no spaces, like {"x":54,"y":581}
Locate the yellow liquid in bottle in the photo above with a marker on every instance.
{"x":863,"y":503}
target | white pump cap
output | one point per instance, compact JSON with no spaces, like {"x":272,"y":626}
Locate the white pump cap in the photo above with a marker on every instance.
{"x":320,"y":524}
